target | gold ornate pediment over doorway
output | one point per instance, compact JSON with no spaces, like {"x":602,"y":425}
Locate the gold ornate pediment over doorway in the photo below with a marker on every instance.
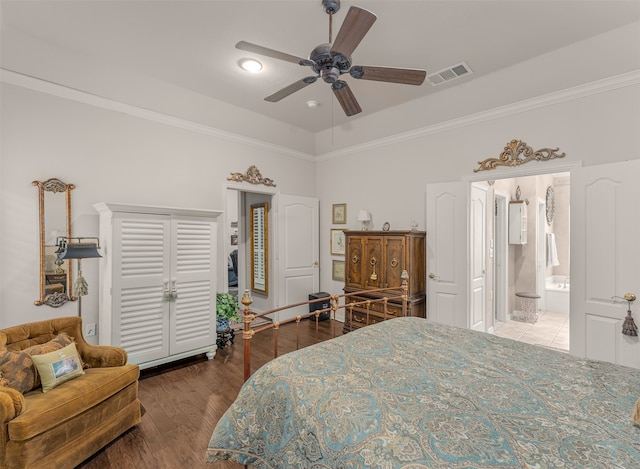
{"x":517,"y":152}
{"x":253,"y":176}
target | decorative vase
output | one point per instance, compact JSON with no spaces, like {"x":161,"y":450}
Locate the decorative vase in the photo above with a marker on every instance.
{"x":222,"y":324}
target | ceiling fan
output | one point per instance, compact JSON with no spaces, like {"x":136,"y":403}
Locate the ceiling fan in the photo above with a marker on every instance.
{"x":329,"y":61}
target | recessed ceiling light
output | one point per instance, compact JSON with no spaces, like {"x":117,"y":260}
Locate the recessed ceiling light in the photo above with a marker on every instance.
{"x":250,"y":65}
{"x":312,"y":104}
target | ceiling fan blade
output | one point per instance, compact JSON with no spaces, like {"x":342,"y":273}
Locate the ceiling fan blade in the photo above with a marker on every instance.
{"x":353,"y":29}
{"x":405,"y":76}
{"x":292,"y":88}
{"x":256,"y":49}
{"x":346,"y":98}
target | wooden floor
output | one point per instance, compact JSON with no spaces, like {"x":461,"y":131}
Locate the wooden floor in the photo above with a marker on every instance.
{"x":183,"y":403}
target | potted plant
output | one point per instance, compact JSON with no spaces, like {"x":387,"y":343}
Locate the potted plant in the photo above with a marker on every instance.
{"x":226,"y":309}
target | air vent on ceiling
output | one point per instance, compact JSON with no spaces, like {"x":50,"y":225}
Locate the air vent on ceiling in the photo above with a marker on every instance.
{"x":448,"y":74}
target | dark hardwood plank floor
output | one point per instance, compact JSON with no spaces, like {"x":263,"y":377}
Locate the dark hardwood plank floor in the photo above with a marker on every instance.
{"x":184,"y":401}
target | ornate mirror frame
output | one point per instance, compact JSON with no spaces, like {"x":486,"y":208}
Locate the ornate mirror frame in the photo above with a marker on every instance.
{"x":260,"y":248}
{"x":550,"y":203}
{"x":54,"y":298}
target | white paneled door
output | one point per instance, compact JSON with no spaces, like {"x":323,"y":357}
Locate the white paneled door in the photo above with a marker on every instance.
{"x":477,"y":249}
{"x":446,"y":254}
{"x":605,"y":260}
{"x":298,"y":252}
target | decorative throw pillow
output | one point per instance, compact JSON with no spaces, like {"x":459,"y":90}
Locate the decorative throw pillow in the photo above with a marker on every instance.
{"x":17,"y":371}
{"x":59,"y":366}
{"x":60,"y":341}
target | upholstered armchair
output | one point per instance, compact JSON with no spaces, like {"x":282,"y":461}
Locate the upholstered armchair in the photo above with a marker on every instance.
{"x":65,"y":425}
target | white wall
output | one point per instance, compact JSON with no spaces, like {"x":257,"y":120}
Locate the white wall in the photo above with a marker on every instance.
{"x":111,"y":157}
{"x":116,"y":153}
{"x":390,"y":179}
{"x":614,"y":53}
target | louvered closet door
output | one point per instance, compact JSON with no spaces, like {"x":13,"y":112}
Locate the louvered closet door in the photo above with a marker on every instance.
{"x":192,"y":317}
{"x":141,"y":248}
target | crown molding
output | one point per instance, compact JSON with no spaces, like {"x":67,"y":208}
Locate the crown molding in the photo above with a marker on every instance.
{"x":569,"y":94}
{"x":61,"y":91}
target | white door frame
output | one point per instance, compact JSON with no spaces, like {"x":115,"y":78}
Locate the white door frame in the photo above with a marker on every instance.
{"x":501,"y":257}
{"x":547,"y":167}
{"x":541,"y":250}
{"x":477,"y":281}
{"x":223,"y":284}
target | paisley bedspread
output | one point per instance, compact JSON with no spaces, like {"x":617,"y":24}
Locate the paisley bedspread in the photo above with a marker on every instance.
{"x":409,"y":393}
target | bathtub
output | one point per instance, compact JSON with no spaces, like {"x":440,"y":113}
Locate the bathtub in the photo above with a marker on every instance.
{"x":557,"y":289}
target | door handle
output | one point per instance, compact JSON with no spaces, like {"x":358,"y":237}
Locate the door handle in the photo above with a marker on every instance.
{"x":174,"y":290}
{"x":433,"y":276}
{"x":166,"y":294}
{"x":628,"y":326}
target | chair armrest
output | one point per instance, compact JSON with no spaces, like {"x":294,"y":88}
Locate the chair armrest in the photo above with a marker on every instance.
{"x":96,"y":356}
{"x":11,"y":403}
{"x":99,"y":356}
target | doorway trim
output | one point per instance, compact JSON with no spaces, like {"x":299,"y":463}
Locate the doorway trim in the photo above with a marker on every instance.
{"x":510,"y":173}
{"x":541,"y":258}
{"x":501,"y":256}
{"x":242,"y":227}
{"x":522,"y":171}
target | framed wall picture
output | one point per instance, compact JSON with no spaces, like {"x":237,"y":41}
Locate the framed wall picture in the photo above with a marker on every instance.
{"x":339,"y":214}
{"x":338,"y":243}
{"x":337,"y":270}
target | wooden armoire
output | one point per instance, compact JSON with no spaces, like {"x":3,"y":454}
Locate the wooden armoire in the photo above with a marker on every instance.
{"x":376,"y":259}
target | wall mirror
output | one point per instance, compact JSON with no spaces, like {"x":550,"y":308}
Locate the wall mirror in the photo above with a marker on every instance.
{"x":54,"y":202}
{"x":259,"y":248}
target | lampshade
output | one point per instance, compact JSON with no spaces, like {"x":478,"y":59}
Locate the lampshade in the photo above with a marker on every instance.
{"x":68,"y":249}
{"x":364,"y":215}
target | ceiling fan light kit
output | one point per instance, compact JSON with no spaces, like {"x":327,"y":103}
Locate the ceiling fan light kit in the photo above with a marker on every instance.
{"x":250,"y":65}
{"x":329,"y":61}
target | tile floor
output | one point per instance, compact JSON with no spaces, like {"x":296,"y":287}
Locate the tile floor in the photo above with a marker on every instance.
{"x":551,"y":330}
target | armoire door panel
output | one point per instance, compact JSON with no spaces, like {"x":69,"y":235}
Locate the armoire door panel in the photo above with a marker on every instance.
{"x":143,"y":323}
{"x":354,"y":275}
{"x":193,"y":319}
{"x":140,"y":264}
{"x":394,"y":261}
{"x":192,"y":323}
{"x":373,"y":262}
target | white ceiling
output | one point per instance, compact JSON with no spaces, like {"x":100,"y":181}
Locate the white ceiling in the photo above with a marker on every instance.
{"x":191,"y":43}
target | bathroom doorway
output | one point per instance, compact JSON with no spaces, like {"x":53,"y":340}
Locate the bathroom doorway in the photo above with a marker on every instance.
{"x":539,"y":265}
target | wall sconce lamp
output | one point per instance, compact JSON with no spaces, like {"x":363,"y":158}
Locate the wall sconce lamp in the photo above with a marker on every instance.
{"x":364,"y":217}
{"x":78,"y":248}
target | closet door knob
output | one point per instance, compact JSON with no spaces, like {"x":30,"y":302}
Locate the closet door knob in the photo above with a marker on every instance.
{"x":174,"y":291}
{"x":166,"y":294}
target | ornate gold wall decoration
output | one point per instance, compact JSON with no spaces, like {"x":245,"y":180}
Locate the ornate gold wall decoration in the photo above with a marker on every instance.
{"x":58,"y":217}
{"x":253,"y":176}
{"x":516,"y":153}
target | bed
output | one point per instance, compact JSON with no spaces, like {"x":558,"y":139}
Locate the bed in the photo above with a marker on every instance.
{"x":410,"y":393}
